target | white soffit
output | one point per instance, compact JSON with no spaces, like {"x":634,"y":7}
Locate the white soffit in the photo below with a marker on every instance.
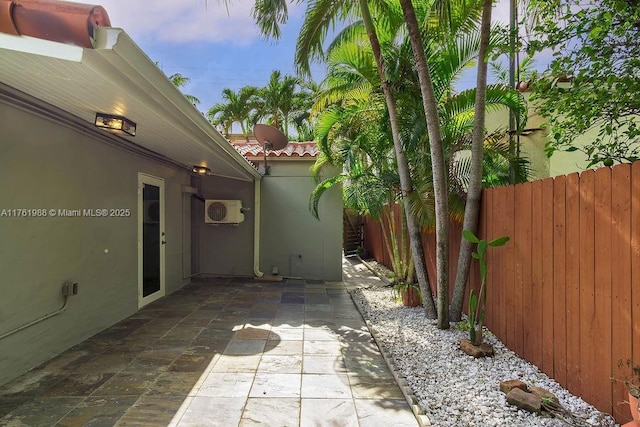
{"x":118,"y":78}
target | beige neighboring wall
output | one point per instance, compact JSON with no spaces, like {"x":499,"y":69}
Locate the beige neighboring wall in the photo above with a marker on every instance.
{"x":532,"y":145}
{"x":47,"y":165}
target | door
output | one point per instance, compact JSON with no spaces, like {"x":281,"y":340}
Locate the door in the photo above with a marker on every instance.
{"x":151,"y":239}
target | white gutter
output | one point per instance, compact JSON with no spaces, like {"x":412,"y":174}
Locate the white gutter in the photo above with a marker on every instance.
{"x":256,"y":229}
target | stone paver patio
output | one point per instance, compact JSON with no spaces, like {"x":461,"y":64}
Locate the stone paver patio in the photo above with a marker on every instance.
{"x":221,"y":352}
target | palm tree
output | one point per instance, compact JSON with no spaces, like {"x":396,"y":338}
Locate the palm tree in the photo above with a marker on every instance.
{"x":180,"y":81}
{"x":236,"y":109}
{"x":474,"y":191}
{"x":319,"y":17}
{"x":354,"y":135}
{"x":302,"y":120}
{"x":281,"y":101}
{"x":474,"y":185}
{"x":430,"y":106}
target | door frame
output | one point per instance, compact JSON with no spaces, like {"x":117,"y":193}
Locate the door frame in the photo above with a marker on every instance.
{"x":157,"y":182}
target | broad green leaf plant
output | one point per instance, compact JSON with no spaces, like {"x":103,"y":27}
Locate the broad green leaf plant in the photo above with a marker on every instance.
{"x":477,"y":303}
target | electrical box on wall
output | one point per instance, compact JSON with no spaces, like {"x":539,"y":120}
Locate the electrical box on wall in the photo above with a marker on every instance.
{"x":223,"y":212}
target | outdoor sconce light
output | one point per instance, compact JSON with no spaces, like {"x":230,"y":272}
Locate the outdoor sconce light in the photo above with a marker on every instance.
{"x":201,"y":170}
{"x":109,"y":121}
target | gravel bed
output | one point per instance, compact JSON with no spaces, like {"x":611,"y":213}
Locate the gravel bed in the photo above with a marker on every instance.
{"x":454,"y":389}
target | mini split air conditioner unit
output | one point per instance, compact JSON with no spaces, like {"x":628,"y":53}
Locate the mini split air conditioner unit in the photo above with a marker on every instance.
{"x":223,"y":212}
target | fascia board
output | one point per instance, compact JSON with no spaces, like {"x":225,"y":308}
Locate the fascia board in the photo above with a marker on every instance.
{"x":35,"y":46}
{"x":148,"y":81}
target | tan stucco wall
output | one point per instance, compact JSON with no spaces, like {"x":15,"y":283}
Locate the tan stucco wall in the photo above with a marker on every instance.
{"x":292,"y":239}
{"x":45,"y":165}
{"x":225,"y":249}
{"x":532,"y":146}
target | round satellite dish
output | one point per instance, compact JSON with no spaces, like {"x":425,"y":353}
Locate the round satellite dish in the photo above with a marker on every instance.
{"x":269,"y":137}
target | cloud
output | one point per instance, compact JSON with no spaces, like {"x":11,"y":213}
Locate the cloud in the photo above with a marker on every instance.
{"x":184,"y":21}
{"x":501,"y":11}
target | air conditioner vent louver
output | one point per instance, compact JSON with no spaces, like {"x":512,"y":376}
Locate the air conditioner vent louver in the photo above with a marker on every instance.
{"x":223,"y":212}
{"x":217,"y":211}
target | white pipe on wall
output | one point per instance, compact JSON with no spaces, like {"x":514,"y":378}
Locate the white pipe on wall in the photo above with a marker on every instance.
{"x":45,"y":317}
{"x":256,"y":229}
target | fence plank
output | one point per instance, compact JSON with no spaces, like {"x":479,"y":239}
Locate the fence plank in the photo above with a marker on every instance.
{"x":533,"y":328}
{"x":373,"y":238}
{"x":493,"y":294}
{"x":559,"y":280}
{"x":474,"y":276}
{"x":548,"y":305}
{"x":429,"y":243}
{"x":620,"y":267}
{"x":502,"y":277}
{"x":587,"y":284}
{"x":635,"y":260}
{"x":572,"y":277}
{"x":522,"y":283}
{"x":495,"y":276}
{"x":455,"y":234}
{"x":601,"y":329}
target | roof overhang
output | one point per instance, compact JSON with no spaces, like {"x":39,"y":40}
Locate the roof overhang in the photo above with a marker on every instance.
{"x":117,"y":77}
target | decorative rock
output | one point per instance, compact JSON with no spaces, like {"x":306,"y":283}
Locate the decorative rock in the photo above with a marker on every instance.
{"x":543,"y":394}
{"x":523,"y":400}
{"x":444,"y":379}
{"x":482,"y":350}
{"x":507,"y":386}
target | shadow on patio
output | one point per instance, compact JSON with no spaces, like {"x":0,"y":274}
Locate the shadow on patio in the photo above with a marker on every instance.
{"x":220,"y":352}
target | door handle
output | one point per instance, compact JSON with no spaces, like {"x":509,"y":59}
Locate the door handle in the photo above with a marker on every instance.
{"x":164,"y":242}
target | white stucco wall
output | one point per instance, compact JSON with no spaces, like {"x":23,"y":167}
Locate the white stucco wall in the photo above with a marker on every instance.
{"x":45,"y":165}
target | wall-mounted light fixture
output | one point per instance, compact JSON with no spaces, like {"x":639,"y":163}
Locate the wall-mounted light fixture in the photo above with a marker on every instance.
{"x":201,"y":170}
{"x":109,"y":121}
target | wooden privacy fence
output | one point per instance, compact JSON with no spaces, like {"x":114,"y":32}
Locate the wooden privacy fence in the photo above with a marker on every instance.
{"x":564,"y":292}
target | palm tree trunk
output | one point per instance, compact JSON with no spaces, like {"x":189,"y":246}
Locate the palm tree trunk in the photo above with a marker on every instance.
{"x":440,"y":187}
{"x":474,"y":192}
{"x":415,"y":235}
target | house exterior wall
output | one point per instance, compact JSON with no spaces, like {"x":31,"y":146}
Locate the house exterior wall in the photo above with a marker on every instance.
{"x":224,"y":249}
{"x":46,"y":165}
{"x":292,"y":240}
{"x":533,"y":145}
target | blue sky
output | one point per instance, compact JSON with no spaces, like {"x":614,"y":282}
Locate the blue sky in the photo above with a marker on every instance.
{"x":201,"y":40}
{"x":215,"y":47}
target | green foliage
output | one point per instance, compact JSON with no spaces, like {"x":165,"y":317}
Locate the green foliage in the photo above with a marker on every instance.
{"x":237,"y":108}
{"x":631,"y":382}
{"x":180,"y":81}
{"x":285,"y":102}
{"x":595,"y":45}
{"x":477,"y":303}
{"x":462,"y":326}
{"x":400,"y":287}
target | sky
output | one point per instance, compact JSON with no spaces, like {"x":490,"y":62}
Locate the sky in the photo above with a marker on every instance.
{"x":215,"y":46}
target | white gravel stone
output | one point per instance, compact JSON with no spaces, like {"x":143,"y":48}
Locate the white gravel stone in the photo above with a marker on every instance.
{"x":454,"y":389}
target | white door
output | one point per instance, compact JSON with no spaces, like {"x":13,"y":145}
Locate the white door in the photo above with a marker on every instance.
{"x":151,"y":239}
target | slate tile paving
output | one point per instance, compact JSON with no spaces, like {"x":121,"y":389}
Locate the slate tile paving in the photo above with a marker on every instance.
{"x":220,"y":352}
